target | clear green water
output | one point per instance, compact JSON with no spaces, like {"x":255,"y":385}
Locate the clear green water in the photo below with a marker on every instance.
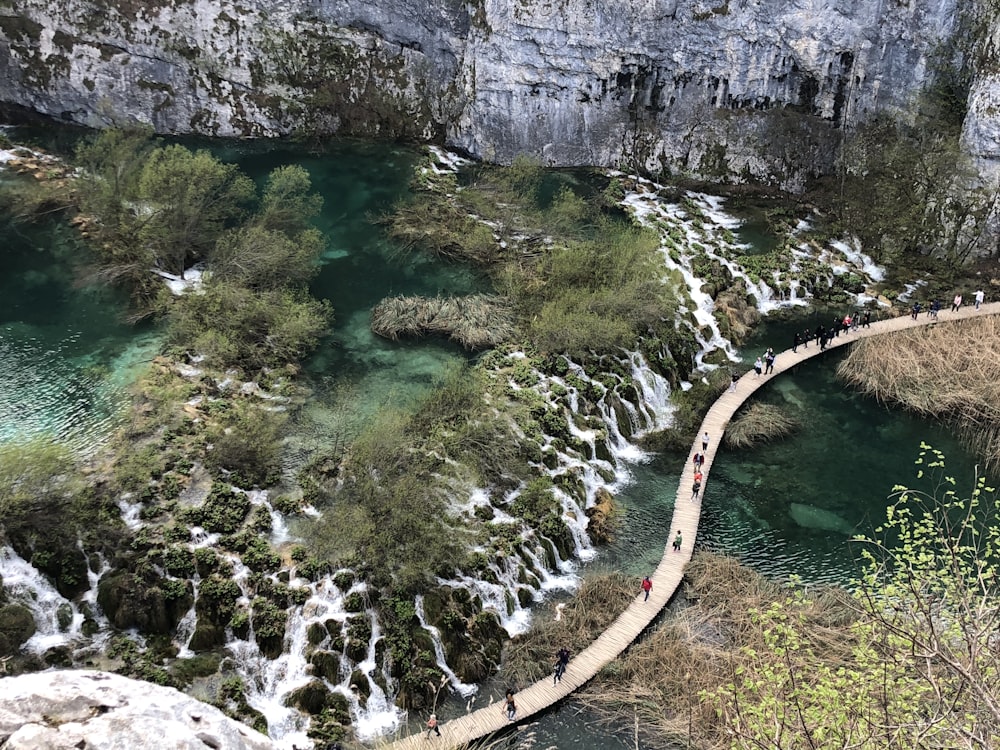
{"x":67,"y":359}
{"x":355,"y":372}
{"x":838,"y":470}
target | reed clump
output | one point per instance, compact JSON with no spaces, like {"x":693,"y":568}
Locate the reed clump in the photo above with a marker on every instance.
{"x":597,"y":604}
{"x":737,"y":316}
{"x":659,"y":679}
{"x":477,"y":321}
{"x":759,"y":423}
{"x":946,"y":371}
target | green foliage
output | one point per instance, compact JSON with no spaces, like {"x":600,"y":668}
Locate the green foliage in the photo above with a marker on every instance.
{"x":388,"y":510}
{"x":16,"y":626}
{"x":907,"y":189}
{"x":235,"y":326}
{"x":455,"y":420}
{"x":287,"y":205}
{"x":168,"y":207}
{"x":31,"y":474}
{"x":222,"y":512}
{"x":593,"y":296}
{"x":112,"y":164}
{"x":188,"y":199}
{"x":920,"y":667}
{"x":249,"y":447}
{"x":535,"y":501}
{"x":258,"y":258}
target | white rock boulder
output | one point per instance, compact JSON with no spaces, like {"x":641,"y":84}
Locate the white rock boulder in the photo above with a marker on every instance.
{"x":66,"y":710}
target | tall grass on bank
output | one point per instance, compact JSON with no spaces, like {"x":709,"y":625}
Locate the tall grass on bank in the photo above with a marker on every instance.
{"x":946,"y":371}
{"x":659,"y":679}
{"x":596,"y":605}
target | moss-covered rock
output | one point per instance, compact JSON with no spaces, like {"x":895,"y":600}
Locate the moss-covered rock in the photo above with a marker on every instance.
{"x":207,"y":635}
{"x":326,"y":664}
{"x":130,"y":602}
{"x":602,"y":514}
{"x":17,"y":625}
{"x":313,"y":697}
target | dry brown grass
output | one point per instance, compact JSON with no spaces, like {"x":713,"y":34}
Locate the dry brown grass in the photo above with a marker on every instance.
{"x":759,"y":423}
{"x":947,"y":371}
{"x":596,"y":605}
{"x":740,"y":316}
{"x":478,"y":321}
{"x":659,"y":679}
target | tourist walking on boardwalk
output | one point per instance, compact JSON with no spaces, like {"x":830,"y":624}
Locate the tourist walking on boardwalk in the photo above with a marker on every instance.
{"x":915,"y":310}
{"x":758,"y":367}
{"x":647,"y":586}
{"x":866,"y":319}
{"x":847,"y":324}
{"x":769,"y":357}
{"x":933,"y":311}
{"x":735,"y":379}
{"x":432,"y":725}
{"x":979,"y":298}
{"x":704,"y":445}
{"x":956,"y":303}
{"x":696,"y":488}
{"x":821,"y":337}
{"x":697,"y":460}
{"x":677,"y":541}
{"x":835,"y":328}
{"x":806,"y":338}
{"x":509,"y":706}
{"x":796,"y":340}
{"x":562,"y":661}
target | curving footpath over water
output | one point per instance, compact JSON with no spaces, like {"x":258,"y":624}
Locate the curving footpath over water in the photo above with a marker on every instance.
{"x":667,"y":577}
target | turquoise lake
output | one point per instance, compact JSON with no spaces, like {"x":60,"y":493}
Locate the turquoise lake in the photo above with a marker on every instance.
{"x":68,"y":359}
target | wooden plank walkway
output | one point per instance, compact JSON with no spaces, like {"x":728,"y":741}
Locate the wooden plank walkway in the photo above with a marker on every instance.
{"x":667,"y":576}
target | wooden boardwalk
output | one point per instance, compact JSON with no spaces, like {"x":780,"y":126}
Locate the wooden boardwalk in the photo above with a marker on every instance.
{"x":667,"y":576}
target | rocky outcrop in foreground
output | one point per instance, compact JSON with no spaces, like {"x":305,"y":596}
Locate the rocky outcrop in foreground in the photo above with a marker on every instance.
{"x":104,"y":711}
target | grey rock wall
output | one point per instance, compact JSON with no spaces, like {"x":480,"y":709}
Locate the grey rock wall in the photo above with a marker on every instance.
{"x":720,"y":88}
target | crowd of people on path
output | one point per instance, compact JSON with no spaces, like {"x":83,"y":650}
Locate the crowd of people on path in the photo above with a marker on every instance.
{"x":956,"y":304}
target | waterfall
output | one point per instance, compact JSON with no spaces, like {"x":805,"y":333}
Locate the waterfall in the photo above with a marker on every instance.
{"x":130,"y":511}
{"x":462,"y":688}
{"x":57,"y":619}
{"x":269,"y":682}
{"x":379,"y":714}
{"x":187,"y":624}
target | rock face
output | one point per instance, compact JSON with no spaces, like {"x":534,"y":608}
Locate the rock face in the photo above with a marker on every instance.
{"x":981,"y":131}
{"x":719,"y":88}
{"x":104,"y":711}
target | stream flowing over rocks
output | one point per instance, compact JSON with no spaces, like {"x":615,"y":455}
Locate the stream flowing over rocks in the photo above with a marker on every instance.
{"x":724,"y":89}
{"x":65,"y":710}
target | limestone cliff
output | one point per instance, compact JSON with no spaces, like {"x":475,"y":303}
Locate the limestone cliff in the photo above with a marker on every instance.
{"x":722,"y":88}
{"x":103,"y":711}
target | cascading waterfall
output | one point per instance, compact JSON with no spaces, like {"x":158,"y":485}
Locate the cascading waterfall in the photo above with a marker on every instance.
{"x":700,"y":226}
{"x":379,"y":714}
{"x":57,"y":620}
{"x":462,"y":688}
{"x":270,"y":681}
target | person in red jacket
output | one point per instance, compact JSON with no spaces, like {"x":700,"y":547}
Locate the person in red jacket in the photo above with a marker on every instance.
{"x":647,"y":586}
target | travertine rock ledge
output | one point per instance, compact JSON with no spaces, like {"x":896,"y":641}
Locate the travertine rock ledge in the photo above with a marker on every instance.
{"x":102,"y":711}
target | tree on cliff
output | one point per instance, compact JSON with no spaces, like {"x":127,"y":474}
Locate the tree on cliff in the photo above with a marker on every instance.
{"x":920,"y":668}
